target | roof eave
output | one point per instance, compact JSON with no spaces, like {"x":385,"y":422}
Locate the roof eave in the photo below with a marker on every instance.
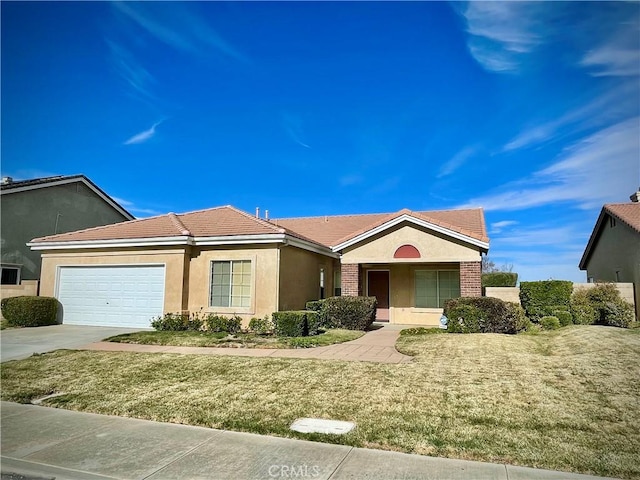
{"x":423,"y":223}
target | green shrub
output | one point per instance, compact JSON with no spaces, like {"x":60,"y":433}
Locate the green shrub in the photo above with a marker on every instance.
{"x":30,"y":311}
{"x":499,"y":279}
{"x":463,"y":318}
{"x":261,"y":326}
{"x":550,"y":322}
{"x":219,"y":323}
{"x":297,"y":323}
{"x":352,"y":313}
{"x":563,"y":316}
{"x":487,"y":315}
{"x":601,"y":304}
{"x":177,"y":322}
{"x":539,"y":298}
{"x":318,"y":306}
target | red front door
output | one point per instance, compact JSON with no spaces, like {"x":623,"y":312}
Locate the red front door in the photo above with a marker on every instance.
{"x":378,"y":286}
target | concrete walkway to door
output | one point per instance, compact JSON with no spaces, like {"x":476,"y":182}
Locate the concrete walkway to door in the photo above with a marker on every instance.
{"x":374,"y":346}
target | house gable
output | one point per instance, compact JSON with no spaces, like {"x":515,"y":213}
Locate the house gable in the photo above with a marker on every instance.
{"x":432,"y":245}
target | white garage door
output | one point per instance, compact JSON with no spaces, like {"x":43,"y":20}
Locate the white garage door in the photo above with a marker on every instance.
{"x":126,"y":296}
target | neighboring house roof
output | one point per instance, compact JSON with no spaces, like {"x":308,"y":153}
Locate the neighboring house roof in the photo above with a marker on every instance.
{"x":627,"y":213}
{"x":16,"y":186}
{"x":229,"y":225}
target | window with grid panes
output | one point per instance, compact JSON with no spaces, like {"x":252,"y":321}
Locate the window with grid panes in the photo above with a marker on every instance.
{"x":230,"y":283}
{"x":434,"y":287}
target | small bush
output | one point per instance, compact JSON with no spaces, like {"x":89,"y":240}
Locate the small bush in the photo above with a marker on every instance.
{"x":499,"y":279}
{"x":219,"y":323}
{"x":550,"y":322}
{"x":563,"y":316}
{"x":538,"y":298}
{"x":464,"y":319}
{"x":177,"y":322}
{"x":261,"y":326}
{"x":601,"y":304}
{"x":30,"y":311}
{"x":298,"y":323}
{"x":487,"y":315}
{"x":352,"y":313}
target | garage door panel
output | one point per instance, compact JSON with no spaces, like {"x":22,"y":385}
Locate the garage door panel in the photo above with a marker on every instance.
{"x":111,"y":295}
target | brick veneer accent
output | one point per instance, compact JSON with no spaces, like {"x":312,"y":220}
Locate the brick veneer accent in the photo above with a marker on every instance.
{"x":470,"y":279}
{"x":350,"y":276}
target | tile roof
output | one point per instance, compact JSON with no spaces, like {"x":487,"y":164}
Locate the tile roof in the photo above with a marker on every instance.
{"x":336,"y":229}
{"x":38,"y":181}
{"x":229,"y":221}
{"x":628,"y":213}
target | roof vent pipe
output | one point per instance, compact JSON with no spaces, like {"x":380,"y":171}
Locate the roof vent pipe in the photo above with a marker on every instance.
{"x":257,"y":212}
{"x":266,"y":214}
{"x":7,"y":180}
{"x":635,"y":198}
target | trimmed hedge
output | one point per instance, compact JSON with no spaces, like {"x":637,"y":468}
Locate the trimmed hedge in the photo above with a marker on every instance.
{"x":176,"y":322}
{"x":318,"y":307}
{"x":261,"y":326}
{"x":550,"y":322}
{"x":499,"y":279}
{"x":218,"y":323}
{"x":297,"y":323}
{"x":541,"y":298}
{"x":565,"y":318}
{"x":352,"y":313}
{"x":483,"y":315}
{"x":30,"y":311}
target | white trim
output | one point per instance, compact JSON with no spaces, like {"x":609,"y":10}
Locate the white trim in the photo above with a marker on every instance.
{"x":12,"y":266}
{"x":187,"y":240}
{"x":74,"y":179}
{"x":133,"y":242}
{"x":408,"y":218}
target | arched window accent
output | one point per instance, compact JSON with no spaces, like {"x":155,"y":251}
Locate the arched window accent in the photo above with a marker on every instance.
{"x":407,"y":251}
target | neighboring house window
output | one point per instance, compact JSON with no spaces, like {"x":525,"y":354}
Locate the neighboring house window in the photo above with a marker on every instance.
{"x":230,"y":284}
{"x":337,"y":282}
{"x":321,"y":283}
{"x":617,"y":275}
{"x":10,"y":275}
{"x":589,"y":279}
{"x":434,"y":287}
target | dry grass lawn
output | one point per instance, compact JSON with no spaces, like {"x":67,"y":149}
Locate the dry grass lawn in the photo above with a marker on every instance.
{"x":562,"y":400}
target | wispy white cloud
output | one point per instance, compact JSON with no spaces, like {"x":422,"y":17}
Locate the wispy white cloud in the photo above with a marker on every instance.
{"x":497,"y":227}
{"x":599,"y":169}
{"x":500,"y":33}
{"x":138,"y":80}
{"x":457,"y":161}
{"x":144,"y":135}
{"x":293,"y":126}
{"x":131,"y":207}
{"x":178,"y":26}
{"x":348,"y":180}
{"x":619,"y":56}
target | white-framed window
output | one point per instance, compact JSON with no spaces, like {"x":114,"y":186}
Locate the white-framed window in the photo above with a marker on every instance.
{"x":10,"y":274}
{"x":337,"y":283}
{"x":230,"y":283}
{"x":434,"y":287}
{"x":322,"y":284}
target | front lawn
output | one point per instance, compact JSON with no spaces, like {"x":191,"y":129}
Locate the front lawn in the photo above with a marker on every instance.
{"x":563,"y":400}
{"x":246,"y":340}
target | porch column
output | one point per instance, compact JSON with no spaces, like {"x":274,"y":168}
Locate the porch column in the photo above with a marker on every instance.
{"x":350,"y":276}
{"x":470,"y":279}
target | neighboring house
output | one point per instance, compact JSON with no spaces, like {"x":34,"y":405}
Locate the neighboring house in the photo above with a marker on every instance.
{"x":226,"y":261}
{"x":613,"y":251}
{"x":46,"y":206}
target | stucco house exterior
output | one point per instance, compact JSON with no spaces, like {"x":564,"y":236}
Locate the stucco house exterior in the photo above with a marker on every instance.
{"x":613,"y":251}
{"x":46,"y":206}
{"x":227,"y":261}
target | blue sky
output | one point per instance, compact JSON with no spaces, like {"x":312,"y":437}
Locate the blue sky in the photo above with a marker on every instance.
{"x":529,"y":110}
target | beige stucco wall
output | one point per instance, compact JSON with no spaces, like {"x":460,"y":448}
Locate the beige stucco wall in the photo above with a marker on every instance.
{"x":617,"y":248}
{"x":432,"y":246}
{"x":172,"y":258}
{"x":300,"y":277}
{"x":264,"y":292}
{"x":402,"y":292}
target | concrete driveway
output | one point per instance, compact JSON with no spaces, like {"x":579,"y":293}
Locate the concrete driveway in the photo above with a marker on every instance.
{"x":20,"y":343}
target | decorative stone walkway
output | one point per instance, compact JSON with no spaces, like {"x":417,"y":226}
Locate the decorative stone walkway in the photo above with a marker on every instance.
{"x":374,"y":346}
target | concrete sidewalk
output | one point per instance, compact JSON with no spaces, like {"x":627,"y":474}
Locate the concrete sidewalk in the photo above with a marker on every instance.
{"x":48,"y":442}
{"x":374,"y":346}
